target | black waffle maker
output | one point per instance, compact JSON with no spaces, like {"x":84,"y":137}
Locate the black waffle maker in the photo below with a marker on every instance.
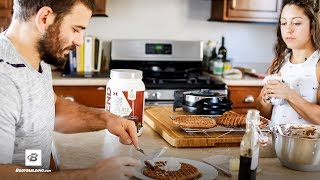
{"x":202,"y":102}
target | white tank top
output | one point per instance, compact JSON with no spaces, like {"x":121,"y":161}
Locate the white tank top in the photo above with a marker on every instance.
{"x":303,"y":79}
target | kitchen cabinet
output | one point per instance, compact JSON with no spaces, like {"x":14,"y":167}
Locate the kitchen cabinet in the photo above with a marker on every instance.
{"x":93,"y":96}
{"x":243,"y":97}
{"x":5,"y":14}
{"x":100,"y":8}
{"x":246,"y":10}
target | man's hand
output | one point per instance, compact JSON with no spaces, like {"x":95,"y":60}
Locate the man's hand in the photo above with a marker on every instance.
{"x":115,"y":168}
{"x":125,"y":129}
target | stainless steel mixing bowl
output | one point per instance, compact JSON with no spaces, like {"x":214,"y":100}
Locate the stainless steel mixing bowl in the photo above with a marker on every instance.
{"x":294,"y":152}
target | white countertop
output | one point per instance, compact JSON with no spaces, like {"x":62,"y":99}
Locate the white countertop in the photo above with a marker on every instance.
{"x":58,"y":80}
{"x":84,"y":150}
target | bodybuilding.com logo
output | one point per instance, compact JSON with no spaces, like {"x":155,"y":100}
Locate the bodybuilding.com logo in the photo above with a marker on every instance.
{"x":33,"y":157}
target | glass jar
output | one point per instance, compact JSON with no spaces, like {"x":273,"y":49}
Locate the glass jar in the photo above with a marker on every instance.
{"x":218,"y":65}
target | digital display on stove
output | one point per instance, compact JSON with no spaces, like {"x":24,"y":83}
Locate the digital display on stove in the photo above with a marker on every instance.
{"x":152,"y":48}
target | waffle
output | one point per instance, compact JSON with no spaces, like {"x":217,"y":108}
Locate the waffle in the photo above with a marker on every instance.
{"x":232,"y":119}
{"x":194,"y":122}
{"x":186,"y":172}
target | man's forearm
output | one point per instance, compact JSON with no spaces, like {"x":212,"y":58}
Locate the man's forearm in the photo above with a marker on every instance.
{"x":72,"y":117}
{"x":10,"y":172}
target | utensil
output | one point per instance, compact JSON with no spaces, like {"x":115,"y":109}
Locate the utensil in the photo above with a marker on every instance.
{"x":158,"y":154}
{"x":298,"y":153}
{"x":149,"y":158}
{"x":220,"y":162}
{"x":154,"y":155}
{"x":224,"y":171}
{"x":140,"y":150}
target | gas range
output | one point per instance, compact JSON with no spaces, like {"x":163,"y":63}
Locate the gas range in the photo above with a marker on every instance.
{"x":167,"y":66}
{"x":161,"y":91}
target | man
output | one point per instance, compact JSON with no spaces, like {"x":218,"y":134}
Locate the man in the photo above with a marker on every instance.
{"x":42,"y":33}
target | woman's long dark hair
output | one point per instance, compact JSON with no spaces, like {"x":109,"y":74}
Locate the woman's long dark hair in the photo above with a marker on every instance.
{"x":311,"y":9}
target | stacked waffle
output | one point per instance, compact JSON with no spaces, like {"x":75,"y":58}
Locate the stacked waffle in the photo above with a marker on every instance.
{"x":194,"y":122}
{"x":228,"y":119}
{"x":232,"y":119}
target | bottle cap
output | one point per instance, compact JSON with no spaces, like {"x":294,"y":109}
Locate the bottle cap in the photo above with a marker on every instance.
{"x":253,"y":116}
{"x":125,"y":74}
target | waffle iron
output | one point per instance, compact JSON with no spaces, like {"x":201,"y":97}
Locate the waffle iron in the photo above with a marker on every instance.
{"x":202,"y":102}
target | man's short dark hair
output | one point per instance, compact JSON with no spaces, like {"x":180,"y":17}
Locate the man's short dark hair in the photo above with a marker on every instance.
{"x":24,"y":9}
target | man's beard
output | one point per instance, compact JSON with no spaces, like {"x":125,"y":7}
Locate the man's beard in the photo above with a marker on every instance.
{"x":50,"y":46}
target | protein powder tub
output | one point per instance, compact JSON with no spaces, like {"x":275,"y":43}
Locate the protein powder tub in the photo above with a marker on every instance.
{"x":125,"y":95}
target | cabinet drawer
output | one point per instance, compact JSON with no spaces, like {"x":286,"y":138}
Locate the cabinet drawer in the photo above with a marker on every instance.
{"x":246,"y":10}
{"x":244,"y":97}
{"x":93,"y":96}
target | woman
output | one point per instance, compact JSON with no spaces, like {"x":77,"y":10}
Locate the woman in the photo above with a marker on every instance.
{"x":297,"y":62}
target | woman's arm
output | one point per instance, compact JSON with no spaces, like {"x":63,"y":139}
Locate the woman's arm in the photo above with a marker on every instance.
{"x":263,"y":105}
{"x":308,"y":111}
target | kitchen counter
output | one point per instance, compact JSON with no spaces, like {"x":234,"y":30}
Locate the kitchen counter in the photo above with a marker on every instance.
{"x":83,"y":150}
{"x":245,"y":81}
{"x":58,"y":80}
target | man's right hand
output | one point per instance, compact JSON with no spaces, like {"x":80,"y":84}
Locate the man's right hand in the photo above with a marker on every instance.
{"x":115,"y":168}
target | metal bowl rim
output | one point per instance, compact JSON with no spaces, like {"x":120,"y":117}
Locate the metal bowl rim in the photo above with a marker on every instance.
{"x":313,"y":139}
{"x":304,"y":125}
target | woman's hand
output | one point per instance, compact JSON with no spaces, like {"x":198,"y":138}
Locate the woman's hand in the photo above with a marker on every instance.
{"x":264,"y":95}
{"x":277,"y":89}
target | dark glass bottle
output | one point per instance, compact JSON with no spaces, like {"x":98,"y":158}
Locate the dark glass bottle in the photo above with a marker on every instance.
{"x":223,"y":50}
{"x":249,"y":147}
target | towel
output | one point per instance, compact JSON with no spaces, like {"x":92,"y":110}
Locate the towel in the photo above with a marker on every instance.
{"x":273,"y":100}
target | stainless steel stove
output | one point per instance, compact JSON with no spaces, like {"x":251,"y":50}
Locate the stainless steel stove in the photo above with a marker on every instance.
{"x":167,"y":66}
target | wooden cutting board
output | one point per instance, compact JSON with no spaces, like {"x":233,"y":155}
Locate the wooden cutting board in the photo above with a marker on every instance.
{"x":158,"y":118}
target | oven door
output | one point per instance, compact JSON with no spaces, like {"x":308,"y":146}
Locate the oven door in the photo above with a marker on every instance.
{"x":159,"y":96}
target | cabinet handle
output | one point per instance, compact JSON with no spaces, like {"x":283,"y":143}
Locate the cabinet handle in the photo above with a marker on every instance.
{"x":70,"y":98}
{"x":249,"y":99}
{"x":100,"y":88}
{"x":234,"y":4}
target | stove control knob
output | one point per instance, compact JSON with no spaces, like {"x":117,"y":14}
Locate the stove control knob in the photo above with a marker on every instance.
{"x":156,"y":95}
{"x":146,"y":94}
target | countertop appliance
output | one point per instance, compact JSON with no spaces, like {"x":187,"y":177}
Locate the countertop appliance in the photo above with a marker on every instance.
{"x":167,"y":66}
{"x":204,"y":101}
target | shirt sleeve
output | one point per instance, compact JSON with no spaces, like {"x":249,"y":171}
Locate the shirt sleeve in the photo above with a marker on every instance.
{"x":9,"y":116}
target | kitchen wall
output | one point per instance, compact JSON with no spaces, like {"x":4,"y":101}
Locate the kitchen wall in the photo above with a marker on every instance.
{"x":183,"y":20}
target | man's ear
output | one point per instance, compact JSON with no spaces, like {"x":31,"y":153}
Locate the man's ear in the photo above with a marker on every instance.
{"x":44,"y":18}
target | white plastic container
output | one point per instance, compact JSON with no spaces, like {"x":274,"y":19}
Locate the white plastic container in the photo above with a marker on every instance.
{"x":125,"y":95}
